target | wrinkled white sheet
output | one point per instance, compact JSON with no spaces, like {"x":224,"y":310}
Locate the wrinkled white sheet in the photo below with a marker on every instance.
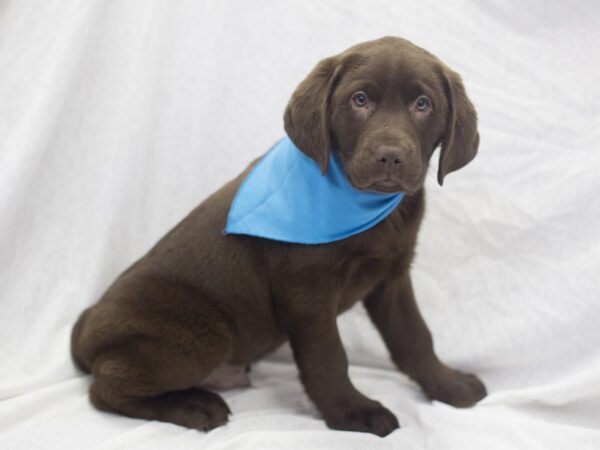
{"x":116,"y":118}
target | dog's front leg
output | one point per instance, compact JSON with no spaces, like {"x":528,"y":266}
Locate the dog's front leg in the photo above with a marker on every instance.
{"x":393,"y":309}
{"x":323,"y":367}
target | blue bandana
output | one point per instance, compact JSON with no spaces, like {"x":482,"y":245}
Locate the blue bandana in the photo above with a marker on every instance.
{"x":286,"y":198}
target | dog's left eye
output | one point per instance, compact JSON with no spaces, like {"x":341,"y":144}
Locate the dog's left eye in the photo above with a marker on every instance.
{"x":360,"y":99}
{"x":422,"y":103}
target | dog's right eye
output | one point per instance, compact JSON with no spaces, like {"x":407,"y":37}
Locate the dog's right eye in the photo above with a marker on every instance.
{"x":360,"y":99}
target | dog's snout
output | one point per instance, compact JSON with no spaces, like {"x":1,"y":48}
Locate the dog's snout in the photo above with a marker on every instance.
{"x":389,"y":157}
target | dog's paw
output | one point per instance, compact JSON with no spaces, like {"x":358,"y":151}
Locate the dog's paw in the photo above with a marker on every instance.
{"x":453,"y":387}
{"x":367,"y":416}
{"x":194,"y":408}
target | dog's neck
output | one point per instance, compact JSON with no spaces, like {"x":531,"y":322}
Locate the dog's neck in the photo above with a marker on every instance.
{"x":286,"y":198}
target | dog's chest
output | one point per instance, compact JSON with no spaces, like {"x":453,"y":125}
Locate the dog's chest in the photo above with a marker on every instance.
{"x":346,"y":271}
{"x":360,"y":275}
{"x":377,"y":259}
{"x":359,"y":281}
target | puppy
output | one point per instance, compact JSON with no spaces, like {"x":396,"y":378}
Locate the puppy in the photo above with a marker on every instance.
{"x":202,"y":305}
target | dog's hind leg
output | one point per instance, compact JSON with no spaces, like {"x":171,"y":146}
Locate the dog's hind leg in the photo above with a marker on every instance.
{"x":153,"y":363}
{"x":152,"y":380}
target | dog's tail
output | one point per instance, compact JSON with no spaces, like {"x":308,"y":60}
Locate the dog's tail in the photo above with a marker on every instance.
{"x":76,"y":343}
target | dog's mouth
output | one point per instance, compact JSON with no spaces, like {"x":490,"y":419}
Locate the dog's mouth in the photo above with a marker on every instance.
{"x":391,"y":186}
{"x":386,"y":186}
{"x":365,"y":180}
{"x":383,"y":186}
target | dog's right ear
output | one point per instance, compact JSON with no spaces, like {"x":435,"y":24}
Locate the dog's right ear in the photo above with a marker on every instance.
{"x":306,"y":118}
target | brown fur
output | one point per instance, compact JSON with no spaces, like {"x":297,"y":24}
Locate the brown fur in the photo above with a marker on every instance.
{"x":200,"y":300}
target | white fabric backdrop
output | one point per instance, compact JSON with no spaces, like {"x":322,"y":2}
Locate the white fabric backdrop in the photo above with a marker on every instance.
{"x":118,"y":117}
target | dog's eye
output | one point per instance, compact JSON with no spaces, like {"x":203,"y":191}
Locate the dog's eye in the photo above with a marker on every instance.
{"x":422,"y":103}
{"x":360,"y":99}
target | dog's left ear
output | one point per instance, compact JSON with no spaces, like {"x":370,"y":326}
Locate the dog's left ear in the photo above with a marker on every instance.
{"x":461,"y":139}
{"x":306,"y":118}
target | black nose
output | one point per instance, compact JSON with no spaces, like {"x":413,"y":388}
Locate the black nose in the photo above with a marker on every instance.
{"x":388,"y":157}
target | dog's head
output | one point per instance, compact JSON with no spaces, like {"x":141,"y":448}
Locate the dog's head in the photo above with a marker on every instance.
{"x":384,"y":106}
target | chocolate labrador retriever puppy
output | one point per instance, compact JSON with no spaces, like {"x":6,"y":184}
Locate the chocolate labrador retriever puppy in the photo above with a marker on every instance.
{"x":201,"y":306}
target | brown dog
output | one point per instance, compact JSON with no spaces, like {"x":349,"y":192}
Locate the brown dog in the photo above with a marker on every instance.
{"x":201,"y":306}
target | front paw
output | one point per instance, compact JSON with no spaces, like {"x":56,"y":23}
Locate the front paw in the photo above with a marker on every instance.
{"x":453,"y":387}
{"x":366,"y":415}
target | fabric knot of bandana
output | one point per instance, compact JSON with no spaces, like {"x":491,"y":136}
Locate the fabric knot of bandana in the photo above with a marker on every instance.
{"x":286,"y":198}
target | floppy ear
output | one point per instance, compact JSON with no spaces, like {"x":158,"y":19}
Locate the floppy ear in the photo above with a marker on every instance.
{"x":306,"y":118}
{"x":461,"y":139}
